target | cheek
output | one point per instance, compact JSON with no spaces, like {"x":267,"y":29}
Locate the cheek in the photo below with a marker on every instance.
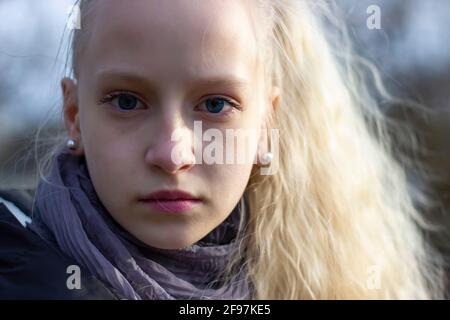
{"x":104,"y":140}
{"x":110,"y":157}
{"x":226,"y":185}
{"x":111,"y":176}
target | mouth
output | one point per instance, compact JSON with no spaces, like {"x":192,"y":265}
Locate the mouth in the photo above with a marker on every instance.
{"x":171,"y":201}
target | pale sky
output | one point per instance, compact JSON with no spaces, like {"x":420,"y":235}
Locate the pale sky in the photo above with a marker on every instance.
{"x":30,"y":33}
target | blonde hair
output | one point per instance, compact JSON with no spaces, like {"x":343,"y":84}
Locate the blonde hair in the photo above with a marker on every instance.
{"x":339,"y":214}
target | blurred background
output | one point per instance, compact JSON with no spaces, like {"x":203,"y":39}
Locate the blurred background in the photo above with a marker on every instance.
{"x":411,"y":49}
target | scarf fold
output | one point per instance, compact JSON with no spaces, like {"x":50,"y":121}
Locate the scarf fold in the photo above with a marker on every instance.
{"x":69,"y":215}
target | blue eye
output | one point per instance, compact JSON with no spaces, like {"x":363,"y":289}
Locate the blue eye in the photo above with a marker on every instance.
{"x":215,"y":105}
{"x":125,"y":101}
{"x":218,"y":105}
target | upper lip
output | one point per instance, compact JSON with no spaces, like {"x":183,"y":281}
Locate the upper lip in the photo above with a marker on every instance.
{"x":170,"y":194}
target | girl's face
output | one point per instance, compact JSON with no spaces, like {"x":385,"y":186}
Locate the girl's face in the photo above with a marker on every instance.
{"x":150,"y":68}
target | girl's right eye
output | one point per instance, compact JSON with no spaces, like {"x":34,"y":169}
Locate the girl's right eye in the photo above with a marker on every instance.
{"x":125,"y":102}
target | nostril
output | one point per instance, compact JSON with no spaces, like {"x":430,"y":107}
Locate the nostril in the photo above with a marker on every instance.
{"x":170,"y":159}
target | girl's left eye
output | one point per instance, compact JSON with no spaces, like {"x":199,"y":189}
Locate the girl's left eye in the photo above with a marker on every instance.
{"x":216,"y":105}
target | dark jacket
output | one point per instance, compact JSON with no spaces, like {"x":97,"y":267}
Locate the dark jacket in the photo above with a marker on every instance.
{"x":30,"y":268}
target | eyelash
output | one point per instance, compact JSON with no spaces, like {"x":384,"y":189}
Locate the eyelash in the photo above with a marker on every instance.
{"x":109,"y":97}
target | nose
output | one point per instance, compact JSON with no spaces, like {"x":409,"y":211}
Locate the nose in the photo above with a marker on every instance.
{"x":172,"y":149}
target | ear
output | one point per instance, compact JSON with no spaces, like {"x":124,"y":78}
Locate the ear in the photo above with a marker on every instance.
{"x":275,"y":97}
{"x":71,"y":113}
{"x":263,"y":142}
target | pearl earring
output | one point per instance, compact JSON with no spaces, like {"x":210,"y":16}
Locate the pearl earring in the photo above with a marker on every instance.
{"x":267,"y":158}
{"x":71,"y":144}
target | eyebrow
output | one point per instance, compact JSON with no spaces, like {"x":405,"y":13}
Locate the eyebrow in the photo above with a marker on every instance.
{"x":139,"y":79}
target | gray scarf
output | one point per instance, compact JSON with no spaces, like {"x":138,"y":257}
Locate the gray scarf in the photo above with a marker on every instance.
{"x":69,"y":214}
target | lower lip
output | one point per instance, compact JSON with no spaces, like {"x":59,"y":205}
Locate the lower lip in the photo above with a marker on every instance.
{"x":172,"y":206}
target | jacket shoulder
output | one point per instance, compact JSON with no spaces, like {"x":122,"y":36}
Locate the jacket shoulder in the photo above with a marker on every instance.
{"x":19,"y":202}
{"x":32,"y":269}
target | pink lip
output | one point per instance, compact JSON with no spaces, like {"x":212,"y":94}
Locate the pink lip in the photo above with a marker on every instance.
{"x":171,"y":201}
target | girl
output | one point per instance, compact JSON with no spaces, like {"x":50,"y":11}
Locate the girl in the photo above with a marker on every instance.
{"x":334,"y":219}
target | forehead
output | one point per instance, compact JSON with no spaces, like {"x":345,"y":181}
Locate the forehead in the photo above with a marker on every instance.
{"x":176,"y":39}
